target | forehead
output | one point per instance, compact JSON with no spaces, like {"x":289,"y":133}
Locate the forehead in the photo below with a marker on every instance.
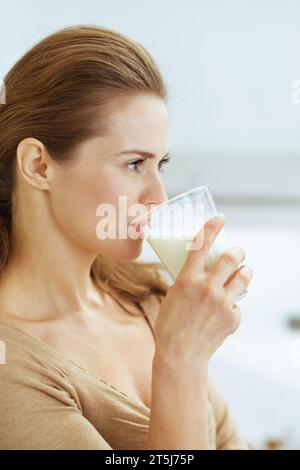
{"x":143,"y":121}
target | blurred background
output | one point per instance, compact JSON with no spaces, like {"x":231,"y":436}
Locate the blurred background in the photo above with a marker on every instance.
{"x":230,"y":66}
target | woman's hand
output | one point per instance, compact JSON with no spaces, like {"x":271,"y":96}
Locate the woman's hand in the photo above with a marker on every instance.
{"x":198,"y":311}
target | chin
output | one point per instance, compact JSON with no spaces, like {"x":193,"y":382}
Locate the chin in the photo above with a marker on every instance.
{"x":128,"y":250}
{"x":134,"y":250}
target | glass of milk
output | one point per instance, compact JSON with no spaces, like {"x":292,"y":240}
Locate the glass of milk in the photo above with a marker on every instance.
{"x":172,"y":226}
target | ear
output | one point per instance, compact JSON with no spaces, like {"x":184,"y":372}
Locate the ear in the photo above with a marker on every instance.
{"x":33,"y":163}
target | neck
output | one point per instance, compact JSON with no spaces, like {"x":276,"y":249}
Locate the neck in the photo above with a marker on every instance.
{"x":47,"y":276}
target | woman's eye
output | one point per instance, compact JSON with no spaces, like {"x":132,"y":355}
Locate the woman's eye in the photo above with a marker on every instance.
{"x":163,"y":162}
{"x":137,"y":163}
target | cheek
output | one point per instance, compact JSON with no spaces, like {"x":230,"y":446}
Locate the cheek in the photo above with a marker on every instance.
{"x":75,"y":201}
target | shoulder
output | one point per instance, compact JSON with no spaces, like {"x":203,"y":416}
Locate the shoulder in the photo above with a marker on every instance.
{"x":39,"y":408}
{"x":30,"y":372}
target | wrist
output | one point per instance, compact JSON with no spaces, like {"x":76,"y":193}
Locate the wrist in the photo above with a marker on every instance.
{"x":172,"y":366}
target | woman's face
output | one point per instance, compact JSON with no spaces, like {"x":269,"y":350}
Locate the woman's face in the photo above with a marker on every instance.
{"x":102,"y":173}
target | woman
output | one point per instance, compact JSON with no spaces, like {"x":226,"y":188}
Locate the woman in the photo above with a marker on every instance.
{"x":99,"y":352}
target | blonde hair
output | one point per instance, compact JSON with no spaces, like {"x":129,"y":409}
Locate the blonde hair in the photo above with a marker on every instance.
{"x":53,"y":93}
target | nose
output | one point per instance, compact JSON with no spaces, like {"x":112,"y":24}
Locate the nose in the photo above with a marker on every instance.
{"x":155,"y":194}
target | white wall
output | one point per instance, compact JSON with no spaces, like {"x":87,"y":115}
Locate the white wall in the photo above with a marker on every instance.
{"x":229,"y":65}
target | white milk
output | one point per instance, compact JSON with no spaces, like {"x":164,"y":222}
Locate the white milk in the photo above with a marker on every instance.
{"x":173,"y":251}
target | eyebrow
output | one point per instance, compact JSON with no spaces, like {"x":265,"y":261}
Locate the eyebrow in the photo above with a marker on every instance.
{"x":140,"y":152}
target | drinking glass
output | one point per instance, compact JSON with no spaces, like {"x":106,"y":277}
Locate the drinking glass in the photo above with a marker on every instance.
{"x":172,"y":226}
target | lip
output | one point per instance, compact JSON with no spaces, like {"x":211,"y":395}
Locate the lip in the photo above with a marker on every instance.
{"x":138,"y":227}
{"x":141,"y":222}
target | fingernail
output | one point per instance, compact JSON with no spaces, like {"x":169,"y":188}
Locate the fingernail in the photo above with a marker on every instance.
{"x":248,"y":272}
{"x":220,"y":217}
{"x":239,"y":251}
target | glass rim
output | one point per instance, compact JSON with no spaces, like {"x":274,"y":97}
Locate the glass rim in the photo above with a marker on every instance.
{"x":172,"y":199}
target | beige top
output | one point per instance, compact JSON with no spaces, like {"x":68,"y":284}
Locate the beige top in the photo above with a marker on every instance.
{"x":47,"y":401}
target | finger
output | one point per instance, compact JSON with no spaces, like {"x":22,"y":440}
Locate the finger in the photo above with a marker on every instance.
{"x":236,"y":309}
{"x":239,"y":282}
{"x":227,"y":264}
{"x":201,"y":244}
{"x":237,"y":312}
